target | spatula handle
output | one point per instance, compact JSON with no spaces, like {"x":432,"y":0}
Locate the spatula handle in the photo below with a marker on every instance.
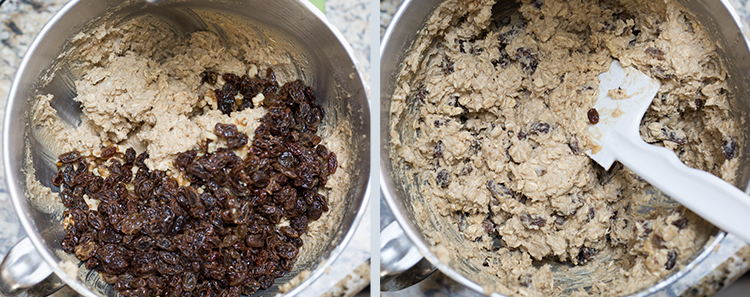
{"x":712,"y":198}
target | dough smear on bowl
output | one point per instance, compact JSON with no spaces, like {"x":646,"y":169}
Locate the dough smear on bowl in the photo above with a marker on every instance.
{"x":488,"y":133}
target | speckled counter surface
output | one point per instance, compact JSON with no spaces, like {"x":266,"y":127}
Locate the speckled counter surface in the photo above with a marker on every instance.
{"x":729,"y":261}
{"x":20,"y":20}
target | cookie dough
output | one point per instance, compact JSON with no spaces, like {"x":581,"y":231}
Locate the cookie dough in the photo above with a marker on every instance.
{"x":140,"y":86}
{"x":489,"y":129}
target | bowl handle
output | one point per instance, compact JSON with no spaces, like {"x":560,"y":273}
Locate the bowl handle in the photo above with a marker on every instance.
{"x":24,"y":270}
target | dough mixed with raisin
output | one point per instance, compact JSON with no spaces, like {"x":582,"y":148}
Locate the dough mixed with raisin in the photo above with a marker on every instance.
{"x":489,"y":125}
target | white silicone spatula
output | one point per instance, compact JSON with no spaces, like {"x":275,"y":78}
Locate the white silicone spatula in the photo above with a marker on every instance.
{"x":618,"y":138}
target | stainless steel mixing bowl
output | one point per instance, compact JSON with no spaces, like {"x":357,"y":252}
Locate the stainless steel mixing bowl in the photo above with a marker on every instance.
{"x":325,"y":62}
{"x":717,"y":16}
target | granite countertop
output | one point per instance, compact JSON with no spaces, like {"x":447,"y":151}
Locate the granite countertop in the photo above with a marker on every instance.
{"x":21,"y":20}
{"x":728,"y":263}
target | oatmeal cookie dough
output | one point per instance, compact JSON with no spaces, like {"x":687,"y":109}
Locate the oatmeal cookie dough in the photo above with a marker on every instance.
{"x":140,"y":86}
{"x":489,"y":128}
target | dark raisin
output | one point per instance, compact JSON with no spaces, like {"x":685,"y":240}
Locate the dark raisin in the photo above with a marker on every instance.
{"x":591,"y":215}
{"x":663,"y":73}
{"x":674,"y":138}
{"x":699,"y":104}
{"x":585,"y":254}
{"x":498,"y":190}
{"x":729,"y":148}
{"x":58,"y":179}
{"x":536,"y":221}
{"x":439,"y":149}
{"x":141,"y":159}
{"x":109,"y":152}
{"x":575,"y":146}
{"x":646,"y":225}
{"x":593,"y":116}
{"x":539,"y":128}
{"x":671,"y":260}
{"x":332,"y":163}
{"x":421,"y":94}
{"x":226,"y":101}
{"x":443,"y":179}
{"x":681,"y":223}
{"x":184,"y":159}
{"x":527,"y":59}
{"x":235,"y":139}
{"x":488,"y":226}
{"x":130,"y":156}
{"x":209,"y":76}
{"x":448,"y":67}
{"x":462,"y":225}
{"x":287,"y":251}
{"x":226,"y":130}
{"x":70,"y":157}
{"x":655,"y":53}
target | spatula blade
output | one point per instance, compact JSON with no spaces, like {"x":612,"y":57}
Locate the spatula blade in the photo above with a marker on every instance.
{"x":624,"y":96}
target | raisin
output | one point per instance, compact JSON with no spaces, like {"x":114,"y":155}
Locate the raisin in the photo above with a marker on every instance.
{"x":663,"y":73}
{"x":209,"y":76}
{"x":729,"y":148}
{"x":421,"y":94}
{"x":593,"y":116}
{"x":488,"y":226}
{"x":235,"y":139}
{"x":539,"y":128}
{"x":699,"y":104}
{"x":655,"y":53}
{"x":527,"y":59}
{"x":58,"y":179}
{"x":443,"y":179}
{"x":681,"y":223}
{"x":109,"y":152}
{"x":448,"y":67}
{"x":287,"y":251}
{"x":462,"y":225}
{"x":498,"y":190}
{"x":585,"y":254}
{"x":439,"y":149}
{"x":69,"y":157}
{"x":671,"y":260}
{"x":184,"y":159}
{"x":332,"y":163}
{"x":591,"y":215}
{"x":646,"y":225}
{"x":533,"y":220}
{"x":226,"y":101}
{"x":575,"y":146}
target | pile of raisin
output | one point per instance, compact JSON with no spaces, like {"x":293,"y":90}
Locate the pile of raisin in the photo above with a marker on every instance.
{"x":219,"y":236}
